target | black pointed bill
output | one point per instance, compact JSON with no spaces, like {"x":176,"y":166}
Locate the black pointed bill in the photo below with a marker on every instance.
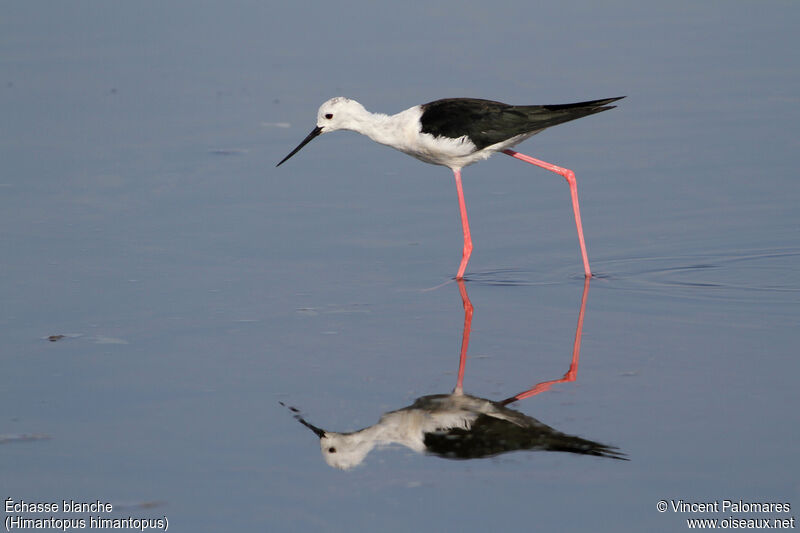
{"x":319,"y":432}
{"x":295,"y":411}
{"x":316,"y":131}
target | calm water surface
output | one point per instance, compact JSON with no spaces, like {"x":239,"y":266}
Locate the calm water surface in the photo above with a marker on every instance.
{"x":190,"y":286}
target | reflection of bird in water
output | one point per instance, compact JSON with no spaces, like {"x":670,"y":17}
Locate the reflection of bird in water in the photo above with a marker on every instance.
{"x":453,"y":426}
{"x":461,"y":426}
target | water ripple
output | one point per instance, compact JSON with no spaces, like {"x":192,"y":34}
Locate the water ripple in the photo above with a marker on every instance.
{"x":718,"y":275}
{"x":723,"y":274}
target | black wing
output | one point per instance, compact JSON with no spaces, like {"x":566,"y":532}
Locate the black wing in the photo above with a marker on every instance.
{"x":490,"y":436}
{"x":486,"y":122}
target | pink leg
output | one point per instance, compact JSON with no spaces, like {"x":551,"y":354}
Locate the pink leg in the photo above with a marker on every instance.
{"x":572,"y":373}
{"x":573,"y":189}
{"x":464,"y":224}
{"x":462,"y":361}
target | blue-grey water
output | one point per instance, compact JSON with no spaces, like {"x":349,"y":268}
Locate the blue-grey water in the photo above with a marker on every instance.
{"x":196,"y":286}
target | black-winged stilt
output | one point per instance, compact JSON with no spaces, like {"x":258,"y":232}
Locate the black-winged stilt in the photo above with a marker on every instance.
{"x":453,"y":426}
{"x":456,"y":132}
{"x":462,"y":426}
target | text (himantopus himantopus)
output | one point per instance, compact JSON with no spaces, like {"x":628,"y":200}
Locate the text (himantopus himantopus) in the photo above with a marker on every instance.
{"x":456,"y":132}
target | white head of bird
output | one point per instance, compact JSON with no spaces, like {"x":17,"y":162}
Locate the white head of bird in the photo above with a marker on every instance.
{"x":345,"y":450}
{"x":340,"y":113}
{"x":341,"y":450}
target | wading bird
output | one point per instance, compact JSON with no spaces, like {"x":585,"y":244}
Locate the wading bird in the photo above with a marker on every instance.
{"x":456,"y":132}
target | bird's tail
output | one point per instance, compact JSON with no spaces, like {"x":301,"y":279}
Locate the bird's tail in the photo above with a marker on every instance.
{"x":546,"y":116}
{"x":596,"y":105}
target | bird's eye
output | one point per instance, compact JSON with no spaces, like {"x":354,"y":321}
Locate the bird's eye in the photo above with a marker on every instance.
{"x":331,"y":450}
{"x":329,"y":116}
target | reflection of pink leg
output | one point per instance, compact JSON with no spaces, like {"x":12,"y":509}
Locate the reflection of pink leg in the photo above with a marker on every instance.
{"x":462,"y":362}
{"x":573,"y":189}
{"x":572,"y":373}
{"x":462,"y":206}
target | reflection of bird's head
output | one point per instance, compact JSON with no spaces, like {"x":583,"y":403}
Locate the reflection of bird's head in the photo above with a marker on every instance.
{"x":344,"y":450}
{"x":340,"y":450}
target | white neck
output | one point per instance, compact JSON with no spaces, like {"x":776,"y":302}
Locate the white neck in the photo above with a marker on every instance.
{"x":390,"y":130}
